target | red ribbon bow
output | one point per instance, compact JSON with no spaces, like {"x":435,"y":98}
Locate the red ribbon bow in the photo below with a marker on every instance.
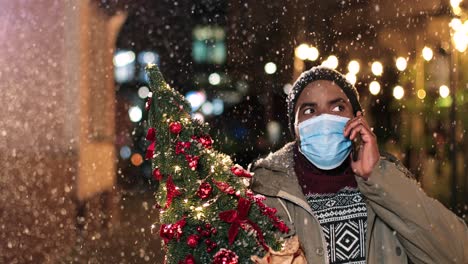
{"x":151,"y":136}
{"x":238,"y":218}
{"x":171,"y":191}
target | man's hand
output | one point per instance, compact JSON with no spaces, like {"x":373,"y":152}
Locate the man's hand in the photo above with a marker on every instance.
{"x":368,"y":154}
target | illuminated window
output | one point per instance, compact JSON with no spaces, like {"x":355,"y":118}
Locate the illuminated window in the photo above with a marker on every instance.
{"x":124,"y":65}
{"x":209,"y":45}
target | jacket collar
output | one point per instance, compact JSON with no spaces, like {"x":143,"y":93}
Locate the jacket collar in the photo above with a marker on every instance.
{"x":282,"y":160}
{"x":275,"y":176}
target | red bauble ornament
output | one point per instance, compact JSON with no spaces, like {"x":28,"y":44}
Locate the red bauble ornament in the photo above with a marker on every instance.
{"x":189,"y":259}
{"x":178,"y":226}
{"x":213,"y":244}
{"x":240,"y":172}
{"x":205,"y":233}
{"x":204,"y":191}
{"x":148,"y":103}
{"x":157,"y":175}
{"x":192,"y":240}
{"x":181,"y":147}
{"x":170,"y":231}
{"x":192,"y":161}
{"x":166,"y":232}
{"x":151,"y":135}
{"x":225,"y":256}
{"x":206,"y":141}
{"x":175,"y":127}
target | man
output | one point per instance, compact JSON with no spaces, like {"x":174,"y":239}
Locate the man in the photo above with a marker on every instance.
{"x":345,"y":201}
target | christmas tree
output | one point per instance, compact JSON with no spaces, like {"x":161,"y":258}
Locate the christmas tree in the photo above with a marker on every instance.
{"x":208,"y":214}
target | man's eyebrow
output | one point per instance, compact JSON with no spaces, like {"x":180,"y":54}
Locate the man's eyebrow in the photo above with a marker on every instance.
{"x":307,"y":104}
{"x":337,"y":100}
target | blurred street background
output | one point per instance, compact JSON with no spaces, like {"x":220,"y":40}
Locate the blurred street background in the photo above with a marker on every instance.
{"x":74,"y":185}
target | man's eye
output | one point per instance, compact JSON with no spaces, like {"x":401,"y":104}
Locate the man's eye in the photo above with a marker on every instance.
{"x":308,"y":111}
{"x":338,"y":108}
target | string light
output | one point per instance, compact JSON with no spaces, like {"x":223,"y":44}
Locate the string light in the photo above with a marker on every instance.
{"x":421,"y":94}
{"x":401,"y":63}
{"x":302,"y":51}
{"x":331,"y":62}
{"x":427,"y":53}
{"x":313,"y":53}
{"x":374,"y":87}
{"x":306,"y":52}
{"x":377,"y":68}
{"x":398,"y":92}
{"x":444,"y":91}
{"x":351,"y":78}
{"x":353,"y":67}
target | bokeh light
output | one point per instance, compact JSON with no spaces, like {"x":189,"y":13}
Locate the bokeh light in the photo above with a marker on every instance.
{"x":421,"y":94}
{"x":377,"y":68}
{"x":401,"y":63}
{"x":302,"y":51}
{"x":214,"y":78}
{"x":351,"y":78}
{"x":313,"y":53}
{"x":353,"y":67}
{"x":136,"y":159}
{"x":427,"y":53}
{"x":135,"y":114}
{"x":374,"y":87}
{"x":398,"y":92}
{"x":196,"y":99}
{"x":331,"y":62}
{"x":143,"y":92}
{"x":270,"y":67}
{"x":125,"y":152}
{"x":444,"y":91}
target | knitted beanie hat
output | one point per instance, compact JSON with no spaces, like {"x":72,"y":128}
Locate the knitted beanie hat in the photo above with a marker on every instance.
{"x":316,"y":74}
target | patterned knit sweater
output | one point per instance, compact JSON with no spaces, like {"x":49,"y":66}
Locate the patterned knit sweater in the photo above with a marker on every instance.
{"x":339,"y":207}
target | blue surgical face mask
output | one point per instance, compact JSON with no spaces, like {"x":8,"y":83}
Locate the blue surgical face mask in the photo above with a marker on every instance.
{"x":323,"y":142}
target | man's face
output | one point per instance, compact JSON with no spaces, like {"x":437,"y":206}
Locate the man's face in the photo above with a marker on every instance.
{"x":321,"y":97}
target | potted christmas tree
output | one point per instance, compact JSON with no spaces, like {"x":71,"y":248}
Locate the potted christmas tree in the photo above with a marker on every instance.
{"x":208,"y":214}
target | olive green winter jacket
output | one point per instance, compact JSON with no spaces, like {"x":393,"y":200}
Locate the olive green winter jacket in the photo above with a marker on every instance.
{"x":404,"y":225}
